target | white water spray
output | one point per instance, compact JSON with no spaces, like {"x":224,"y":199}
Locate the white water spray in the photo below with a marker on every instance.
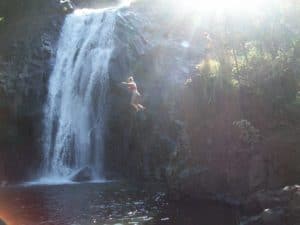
{"x":74,"y":116}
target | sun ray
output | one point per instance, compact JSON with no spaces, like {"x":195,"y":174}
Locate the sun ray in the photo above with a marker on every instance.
{"x":252,"y":6}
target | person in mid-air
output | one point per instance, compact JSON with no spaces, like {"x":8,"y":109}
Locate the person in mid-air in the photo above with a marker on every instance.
{"x":131,"y":85}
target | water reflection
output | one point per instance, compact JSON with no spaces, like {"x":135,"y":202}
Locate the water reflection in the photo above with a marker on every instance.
{"x":110,"y":203}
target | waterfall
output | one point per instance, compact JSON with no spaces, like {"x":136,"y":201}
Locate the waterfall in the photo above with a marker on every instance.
{"x":76,"y":107}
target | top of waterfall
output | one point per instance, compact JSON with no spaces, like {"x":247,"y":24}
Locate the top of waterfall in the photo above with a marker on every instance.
{"x":87,"y":11}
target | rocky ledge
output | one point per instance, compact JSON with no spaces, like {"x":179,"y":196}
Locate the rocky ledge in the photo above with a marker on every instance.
{"x":279,"y":207}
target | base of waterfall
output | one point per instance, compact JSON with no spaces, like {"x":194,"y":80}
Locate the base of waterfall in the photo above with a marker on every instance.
{"x":83,"y":175}
{"x":60,"y":181}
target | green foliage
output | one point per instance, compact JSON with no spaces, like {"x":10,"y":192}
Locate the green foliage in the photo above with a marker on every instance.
{"x":258,"y":57}
{"x":210,"y":82}
{"x":267,"y":76}
{"x":251,"y":72}
{"x":209,"y":68}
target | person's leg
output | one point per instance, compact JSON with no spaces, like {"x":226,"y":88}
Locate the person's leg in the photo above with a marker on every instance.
{"x":137,"y":102}
{"x":135,"y":107}
{"x":141,"y":107}
{"x":134,"y":100}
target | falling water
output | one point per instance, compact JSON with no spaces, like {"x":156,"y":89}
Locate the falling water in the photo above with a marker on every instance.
{"x":74,"y":115}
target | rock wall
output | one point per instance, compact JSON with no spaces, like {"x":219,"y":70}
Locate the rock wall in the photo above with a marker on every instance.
{"x":139,"y":145}
{"x":191,"y":142}
{"x":28,"y":35}
{"x":272,"y":207}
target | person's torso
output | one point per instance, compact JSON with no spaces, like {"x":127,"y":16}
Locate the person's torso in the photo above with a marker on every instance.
{"x":132,"y":86}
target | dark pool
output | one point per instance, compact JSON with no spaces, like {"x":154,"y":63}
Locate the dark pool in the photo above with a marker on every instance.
{"x":115,"y":203}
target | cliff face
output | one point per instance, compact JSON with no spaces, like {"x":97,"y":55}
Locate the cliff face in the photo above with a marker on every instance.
{"x":139,"y":144}
{"x":203,"y":138}
{"x":28,"y":35}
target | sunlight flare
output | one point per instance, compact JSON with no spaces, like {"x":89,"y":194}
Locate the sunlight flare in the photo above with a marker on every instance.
{"x":228,"y":5}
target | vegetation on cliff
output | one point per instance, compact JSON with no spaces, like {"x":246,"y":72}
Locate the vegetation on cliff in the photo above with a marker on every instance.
{"x":240,"y":105}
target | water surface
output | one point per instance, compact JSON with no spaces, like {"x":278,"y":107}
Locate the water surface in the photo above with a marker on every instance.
{"x":112,"y":203}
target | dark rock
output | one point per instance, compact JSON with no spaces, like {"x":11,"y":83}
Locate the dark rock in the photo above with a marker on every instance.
{"x":27,"y":46}
{"x":267,"y":217}
{"x":281,"y":207}
{"x":85,"y":174}
{"x":67,"y":6}
{"x":273,"y":216}
{"x":294,"y":207}
{"x":254,"y":220}
{"x":270,"y":199}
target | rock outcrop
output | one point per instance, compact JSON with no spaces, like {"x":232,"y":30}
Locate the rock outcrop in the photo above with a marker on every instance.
{"x":84,"y":174}
{"x":273,"y":207}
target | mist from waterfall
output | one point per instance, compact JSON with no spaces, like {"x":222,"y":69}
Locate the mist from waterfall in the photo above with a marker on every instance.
{"x":75,"y":111}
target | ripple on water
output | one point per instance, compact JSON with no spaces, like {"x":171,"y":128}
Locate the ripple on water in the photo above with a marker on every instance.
{"x":108,"y":203}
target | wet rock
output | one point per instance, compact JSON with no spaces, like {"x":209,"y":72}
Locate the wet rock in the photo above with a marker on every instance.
{"x":267,"y":217}
{"x":26,"y":47}
{"x":270,"y":199}
{"x":85,"y":174}
{"x":274,"y":207}
{"x":67,"y":6}
{"x":273,"y":216}
{"x":294,"y":206}
{"x":165,"y":219}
